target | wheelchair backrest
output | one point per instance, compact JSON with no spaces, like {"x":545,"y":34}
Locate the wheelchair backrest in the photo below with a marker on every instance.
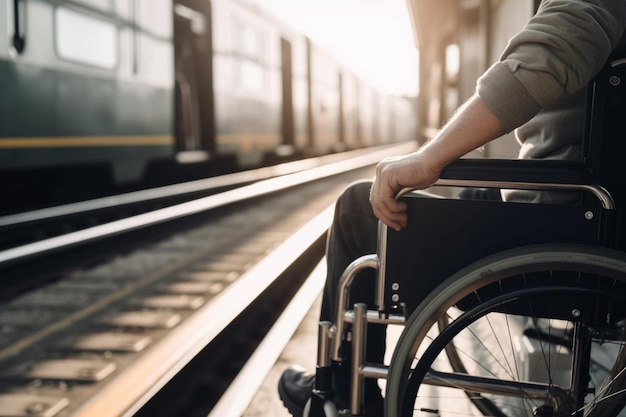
{"x":604,"y":144}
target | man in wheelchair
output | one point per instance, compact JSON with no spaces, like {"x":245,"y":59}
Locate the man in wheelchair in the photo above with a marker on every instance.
{"x":537,"y":88}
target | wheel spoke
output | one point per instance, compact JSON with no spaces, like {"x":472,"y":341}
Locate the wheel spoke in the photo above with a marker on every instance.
{"x":524,"y":291}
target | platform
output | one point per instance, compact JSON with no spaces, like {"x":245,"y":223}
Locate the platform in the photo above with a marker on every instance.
{"x":301,"y":350}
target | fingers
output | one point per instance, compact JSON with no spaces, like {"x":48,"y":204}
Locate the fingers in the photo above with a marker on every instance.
{"x":392,"y":175}
{"x":387,"y":209}
{"x":393,"y":214}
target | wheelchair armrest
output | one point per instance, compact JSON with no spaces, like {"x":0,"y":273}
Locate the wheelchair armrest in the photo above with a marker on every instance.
{"x":518,"y":170}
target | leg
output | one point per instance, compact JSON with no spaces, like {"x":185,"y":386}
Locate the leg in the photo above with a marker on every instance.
{"x":353,"y":233}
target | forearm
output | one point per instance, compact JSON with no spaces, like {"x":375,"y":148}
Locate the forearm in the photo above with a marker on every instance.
{"x":471,"y":127}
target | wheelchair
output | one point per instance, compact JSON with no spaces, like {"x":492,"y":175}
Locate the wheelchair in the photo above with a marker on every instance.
{"x":521,"y":309}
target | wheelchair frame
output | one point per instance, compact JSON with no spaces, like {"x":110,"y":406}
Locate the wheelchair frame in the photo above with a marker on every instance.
{"x":521,"y":175}
{"x":329,"y":334}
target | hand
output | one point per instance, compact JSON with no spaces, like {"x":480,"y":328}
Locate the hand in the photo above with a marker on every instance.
{"x":472,"y":126}
{"x":394,"y":174}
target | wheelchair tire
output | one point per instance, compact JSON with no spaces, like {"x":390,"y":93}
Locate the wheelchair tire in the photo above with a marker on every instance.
{"x":563,"y":293}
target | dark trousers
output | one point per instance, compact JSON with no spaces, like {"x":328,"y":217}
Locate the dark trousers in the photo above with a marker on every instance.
{"x":353,"y":233}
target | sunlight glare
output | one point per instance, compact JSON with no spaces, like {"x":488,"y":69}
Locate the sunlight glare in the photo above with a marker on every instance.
{"x":372,"y":37}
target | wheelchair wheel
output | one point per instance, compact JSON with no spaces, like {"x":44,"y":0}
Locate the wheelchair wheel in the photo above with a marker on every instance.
{"x":484,"y":405}
{"x":535,"y":331}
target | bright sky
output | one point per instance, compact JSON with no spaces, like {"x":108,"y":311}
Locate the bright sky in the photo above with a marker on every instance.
{"x":373,"y":37}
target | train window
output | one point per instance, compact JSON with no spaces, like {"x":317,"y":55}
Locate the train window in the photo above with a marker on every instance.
{"x":85,"y":39}
{"x":122,"y":8}
{"x":104,"y":5}
{"x":324,"y":69}
{"x":251,"y":68}
{"x":250,"y":42}
{"x":155,"y":16}
{"x":252,"y":76}
{"x":222,"y":28}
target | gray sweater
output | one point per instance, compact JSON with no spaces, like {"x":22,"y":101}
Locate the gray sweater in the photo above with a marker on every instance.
{"x":538,"y":84}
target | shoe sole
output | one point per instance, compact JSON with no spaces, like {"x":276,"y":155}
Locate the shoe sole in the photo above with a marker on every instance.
{"x":294,"y":409}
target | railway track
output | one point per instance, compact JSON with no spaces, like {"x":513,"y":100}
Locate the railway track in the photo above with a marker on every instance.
{"x":179,"y":312}
{"x":17,"y":229}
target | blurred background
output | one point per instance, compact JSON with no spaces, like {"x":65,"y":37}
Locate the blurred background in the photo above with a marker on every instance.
{"x":373,"y":37}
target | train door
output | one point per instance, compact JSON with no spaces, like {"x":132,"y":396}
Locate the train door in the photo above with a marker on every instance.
{"x":287,"y":96}
{"x":195,"y":134}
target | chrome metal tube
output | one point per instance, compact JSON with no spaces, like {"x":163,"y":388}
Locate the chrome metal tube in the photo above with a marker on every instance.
{"x":323,"y":344}
{"x":375,"y":317}
{"x":596,"y":190}
{"x":493,"y":386}
{"x":359,"y":336}
{"x":580,"y":354}
{"x":367,"y":261}
{"x":382,"y":265}
{"x":373,"y":371}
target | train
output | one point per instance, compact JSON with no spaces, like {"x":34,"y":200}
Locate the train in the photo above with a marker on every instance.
{"x":102,"y":96}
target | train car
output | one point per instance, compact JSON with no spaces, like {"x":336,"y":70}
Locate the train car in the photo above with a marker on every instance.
{"x":84,"y":82}
{"x":249,"y":84}
{"x":103,"y":96}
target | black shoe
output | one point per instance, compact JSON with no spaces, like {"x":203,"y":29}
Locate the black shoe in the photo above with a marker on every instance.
{"x":294,"y":388}
{"x":296,"y":385}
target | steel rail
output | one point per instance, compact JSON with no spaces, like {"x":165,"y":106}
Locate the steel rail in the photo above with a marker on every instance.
{"x":31,"y":250}
{"x":181,"y":189}
{"x":125,"y":394}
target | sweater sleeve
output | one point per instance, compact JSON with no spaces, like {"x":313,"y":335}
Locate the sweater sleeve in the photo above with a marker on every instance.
{"x":556,"y":54}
